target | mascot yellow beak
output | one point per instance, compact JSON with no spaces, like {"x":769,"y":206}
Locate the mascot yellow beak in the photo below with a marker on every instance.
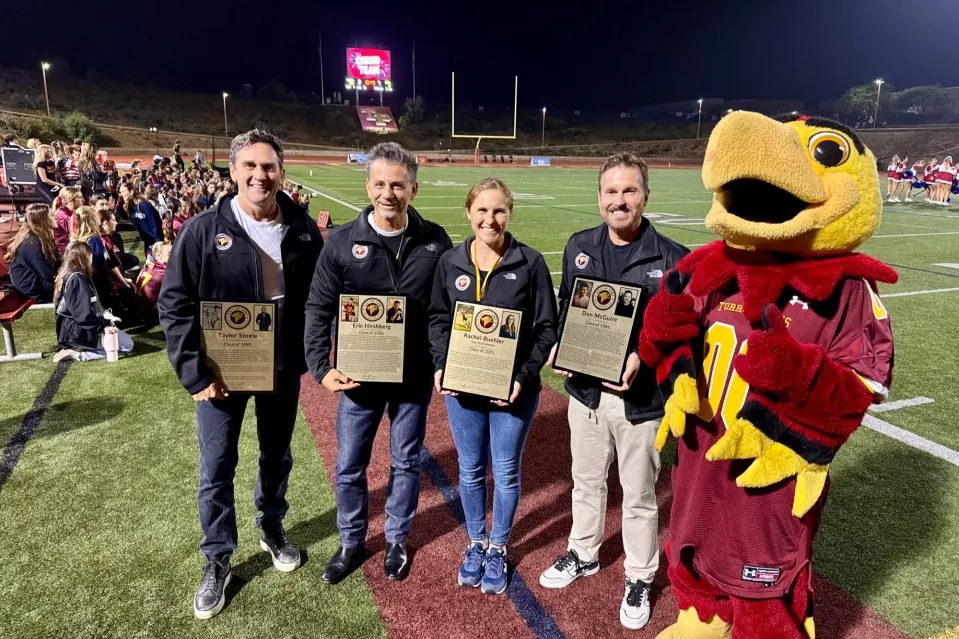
{"x":805,"y":187}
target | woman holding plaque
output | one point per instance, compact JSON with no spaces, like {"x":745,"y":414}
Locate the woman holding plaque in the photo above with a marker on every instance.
{"x":492,"y":268}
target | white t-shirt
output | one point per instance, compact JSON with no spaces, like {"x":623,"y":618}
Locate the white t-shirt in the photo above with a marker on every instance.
{"x":267,"y":237}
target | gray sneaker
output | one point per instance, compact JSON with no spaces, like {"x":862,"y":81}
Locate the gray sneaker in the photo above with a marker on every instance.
{"x":567,"y":569}
{"x":286,"y":558}
{"x":211,"y":595}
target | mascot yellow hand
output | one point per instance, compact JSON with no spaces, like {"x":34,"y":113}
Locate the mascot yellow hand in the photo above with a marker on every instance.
{"x":684,"y":401}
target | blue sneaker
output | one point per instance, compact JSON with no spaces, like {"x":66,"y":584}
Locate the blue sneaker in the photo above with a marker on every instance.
{"x":471,"y":571}
{"x":494,"y":579}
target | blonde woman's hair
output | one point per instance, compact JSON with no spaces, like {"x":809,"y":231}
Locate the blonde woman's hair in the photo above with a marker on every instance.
{"x":41,"y":154}
{"x":486,"y":185}
{"x":36,"y":223}
{"x":68,"y":194}
{"x":88,"y":224}
{"x":78,"y":258}
{"x":88,"y":156}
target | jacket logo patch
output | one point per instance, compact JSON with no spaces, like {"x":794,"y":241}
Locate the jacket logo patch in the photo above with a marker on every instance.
{"x":431,"y":247}
{"x":654,"y":273}
{"x":761,"y":574}
{"x":462,"y":282}
{"x":223,"y":241}
{"x":581,"y":261}
{"x":509,"y":276}
{"x":360,"y":251}
{"x":305,"y":237}
{"x":795,"y":300}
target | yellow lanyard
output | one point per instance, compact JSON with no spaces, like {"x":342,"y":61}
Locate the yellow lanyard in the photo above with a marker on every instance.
{"x":481,"y":288}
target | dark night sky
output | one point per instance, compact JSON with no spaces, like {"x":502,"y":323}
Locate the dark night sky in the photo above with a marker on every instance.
{"x":590,"y":55}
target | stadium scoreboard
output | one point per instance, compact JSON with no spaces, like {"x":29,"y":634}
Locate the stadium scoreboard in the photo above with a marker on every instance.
{"x":368,"y":70}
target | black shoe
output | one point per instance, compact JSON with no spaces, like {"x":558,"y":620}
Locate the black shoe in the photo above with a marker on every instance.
{"x":396,"y":561}
{"x":286,"y":558}
{"x":211,"y":595}
{"x":345,"y":560}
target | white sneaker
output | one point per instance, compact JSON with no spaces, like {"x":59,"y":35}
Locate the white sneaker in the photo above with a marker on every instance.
{"x":66,"y":353}
{"x":908,"y":199}
{"x":567,"y":569}
{"x":634,"y":609}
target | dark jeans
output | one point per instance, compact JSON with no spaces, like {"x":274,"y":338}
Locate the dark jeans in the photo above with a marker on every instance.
{"x":357,"y":421}
{"x":218,"y":424}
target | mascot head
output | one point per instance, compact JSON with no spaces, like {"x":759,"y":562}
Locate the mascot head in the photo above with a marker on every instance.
{"x":806,"y":186}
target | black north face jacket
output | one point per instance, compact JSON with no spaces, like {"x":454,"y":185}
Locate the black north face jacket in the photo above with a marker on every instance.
{"x":652,"y":255}
{"x":214,"y":259}
{"x":355,"y":260}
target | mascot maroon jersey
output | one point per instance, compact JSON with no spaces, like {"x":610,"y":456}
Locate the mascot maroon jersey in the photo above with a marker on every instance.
{"x":747,"y":541}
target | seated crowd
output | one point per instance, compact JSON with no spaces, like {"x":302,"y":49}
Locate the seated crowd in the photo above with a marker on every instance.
{"x":88,"y":196}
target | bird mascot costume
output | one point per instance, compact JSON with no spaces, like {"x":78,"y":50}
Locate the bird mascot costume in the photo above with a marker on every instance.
{"x":769,"y":345}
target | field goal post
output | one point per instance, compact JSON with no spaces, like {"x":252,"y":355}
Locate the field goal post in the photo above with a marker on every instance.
{"x":477,"y":136}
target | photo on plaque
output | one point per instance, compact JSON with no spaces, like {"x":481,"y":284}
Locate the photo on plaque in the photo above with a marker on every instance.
{"x":595,"y":335}
{"x":348,"y":305}
{"x":482,"y":350}
{"x":264,"y":319}
{"x":463,"y":317}
{"x":394,"y":310}
{"x":581,"y":294}
{"x":237,"y":342}
{"x":510,"y":327}
{"x":370,"y":337}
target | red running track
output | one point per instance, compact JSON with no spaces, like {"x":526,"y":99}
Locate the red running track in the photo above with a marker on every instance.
{"x":429,"y":604}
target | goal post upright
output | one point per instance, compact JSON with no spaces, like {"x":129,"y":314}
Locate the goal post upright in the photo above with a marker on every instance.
{"x":477,"y":136}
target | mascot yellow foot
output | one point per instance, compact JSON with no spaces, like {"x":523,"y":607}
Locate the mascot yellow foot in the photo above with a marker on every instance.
{"x":688,"y":626}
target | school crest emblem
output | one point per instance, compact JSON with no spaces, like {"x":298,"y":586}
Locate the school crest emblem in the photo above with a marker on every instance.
{"x":462,"y":282}
{"x":581,"y":261}
{"x":360,"y":251}
{"x":223,"y":241}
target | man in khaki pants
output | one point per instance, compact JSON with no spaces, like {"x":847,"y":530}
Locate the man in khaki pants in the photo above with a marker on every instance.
{"x":621,"y":420}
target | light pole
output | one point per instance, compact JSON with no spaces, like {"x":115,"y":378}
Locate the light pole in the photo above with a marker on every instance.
{"x":156,"y":139}
{"x":875,"y":115}
{"x":46,"y":94}
{"x":542,"y":141}
{"x":226,"y":128}
{"x":699,"y":121}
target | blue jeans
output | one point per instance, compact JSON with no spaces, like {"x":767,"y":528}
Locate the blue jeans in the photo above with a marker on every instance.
{"x":218,"y":423}
{"x":357,"y":420}
{"x":482,"y":430}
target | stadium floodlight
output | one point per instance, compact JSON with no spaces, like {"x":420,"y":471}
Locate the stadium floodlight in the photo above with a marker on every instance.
{"x":479,"y":137}
{"x":875,"y":115}
{"x":699,"y":121}
{"x":156,"y":139}
{"x":542,"y":141}
{"x":226,"y":128}
{"x":44,"y":67}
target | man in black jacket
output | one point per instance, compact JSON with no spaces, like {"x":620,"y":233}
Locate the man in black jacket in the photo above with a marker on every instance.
{"x":389,"y":249}
{"x":619,"y":418}
{"x":256,"y":246}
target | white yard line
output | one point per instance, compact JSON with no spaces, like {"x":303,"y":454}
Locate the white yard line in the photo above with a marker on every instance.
{"x":925,"y":292}
{"x":901,"y":403}
{"x":947,"y":265}
{"x":338,"y":201}
{"x":917,"y":234}
{"x":911,"y":439}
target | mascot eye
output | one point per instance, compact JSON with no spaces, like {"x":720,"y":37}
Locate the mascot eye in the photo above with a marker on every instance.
{"x":829,"y":149}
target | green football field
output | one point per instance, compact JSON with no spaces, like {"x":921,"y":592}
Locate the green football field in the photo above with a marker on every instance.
{"x":99,"y":518}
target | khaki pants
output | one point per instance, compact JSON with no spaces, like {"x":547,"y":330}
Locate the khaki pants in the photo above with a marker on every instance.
{"x":595,"y":436}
